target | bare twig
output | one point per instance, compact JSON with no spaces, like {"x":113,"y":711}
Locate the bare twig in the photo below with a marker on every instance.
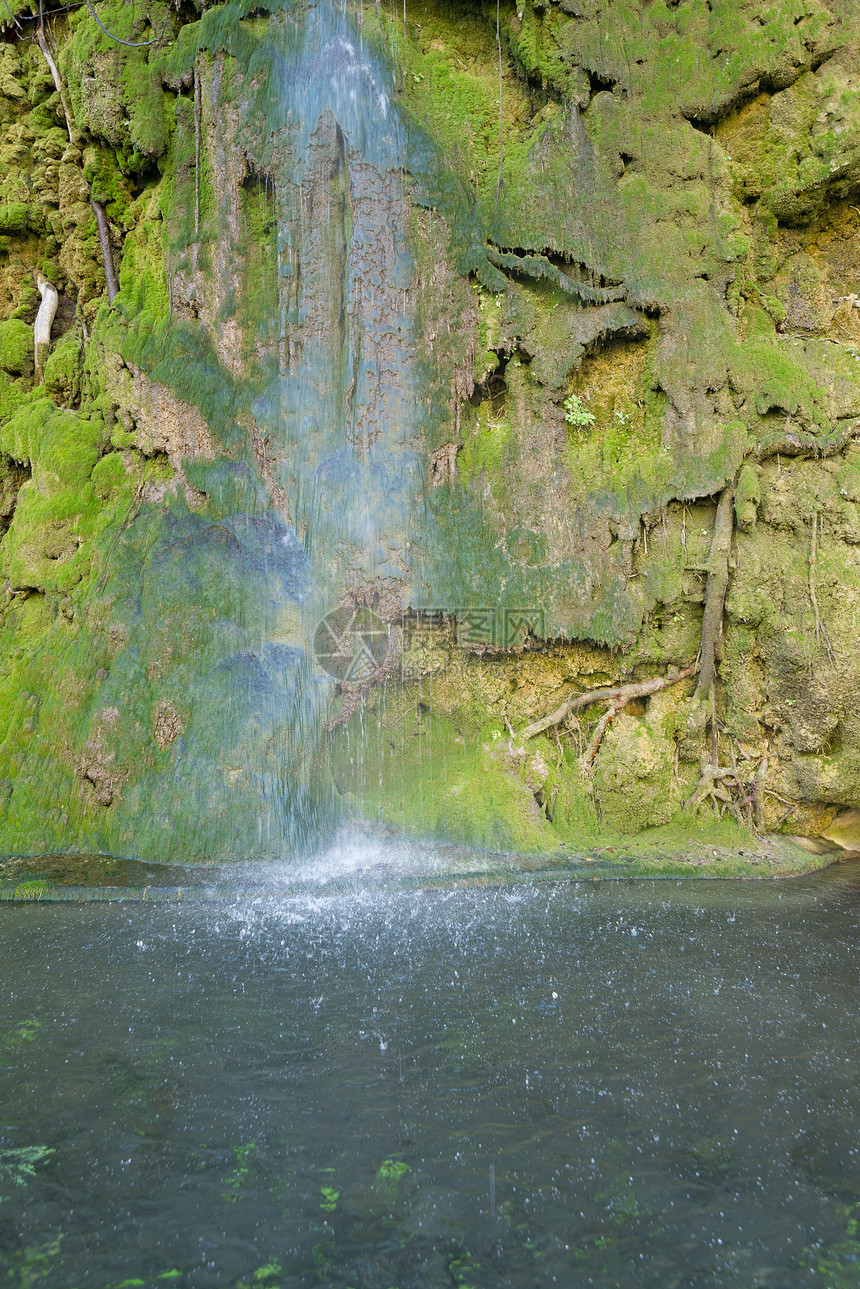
{"x":622,"y":693}
{"x":786,"y":801}
{"x":782,"y":818}
{"x":132,"y":44}
{"x":12,"y":16}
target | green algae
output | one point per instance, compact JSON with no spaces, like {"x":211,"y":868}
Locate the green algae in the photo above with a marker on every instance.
{"x":419,"y":776}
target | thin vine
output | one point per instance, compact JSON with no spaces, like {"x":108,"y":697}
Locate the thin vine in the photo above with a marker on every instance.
{"x":12,"y":16}
{"x":131,"y":44}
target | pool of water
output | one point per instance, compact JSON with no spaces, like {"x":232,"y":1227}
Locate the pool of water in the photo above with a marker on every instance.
{"x":573,"y":1083}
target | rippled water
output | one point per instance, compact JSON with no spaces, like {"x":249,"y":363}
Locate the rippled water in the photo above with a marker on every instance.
{"x":625,"y":1084}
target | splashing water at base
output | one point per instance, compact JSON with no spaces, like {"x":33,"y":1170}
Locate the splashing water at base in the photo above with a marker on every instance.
{"x":494,"y":1088}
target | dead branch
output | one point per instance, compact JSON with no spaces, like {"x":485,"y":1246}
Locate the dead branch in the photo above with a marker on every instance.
{"x":57,"y":79}
{"x":618,"y":694}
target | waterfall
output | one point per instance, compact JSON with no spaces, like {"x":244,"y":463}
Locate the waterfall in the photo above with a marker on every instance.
{"x":317,"y":508}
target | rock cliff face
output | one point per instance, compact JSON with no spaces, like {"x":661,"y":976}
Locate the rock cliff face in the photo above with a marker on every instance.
{"x":525,"y":340}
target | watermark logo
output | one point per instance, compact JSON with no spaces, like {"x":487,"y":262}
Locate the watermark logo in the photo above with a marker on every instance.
{"x":498,"y":628}
{"x":355,"y":645}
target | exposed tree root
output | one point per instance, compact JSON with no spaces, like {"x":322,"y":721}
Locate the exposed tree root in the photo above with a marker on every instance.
{"x":715,"y":593}
{"x":586,"y":761}
{"x":617,"y":697}
{"x":728,"y":788}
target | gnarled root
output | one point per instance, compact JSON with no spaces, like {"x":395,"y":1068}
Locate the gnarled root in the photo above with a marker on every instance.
{"x":42,"y":325}
{"x":617,"y":698}
{"x":728,"y":788}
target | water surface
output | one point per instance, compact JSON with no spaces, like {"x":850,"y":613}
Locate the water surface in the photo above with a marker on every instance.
{"x":612,"y":1084}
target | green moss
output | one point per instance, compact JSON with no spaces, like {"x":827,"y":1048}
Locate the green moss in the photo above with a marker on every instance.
{"x":420,"y":776}
{"x":108,"y":184}
{"x":13,"y":218}
{"x":142,"y":271}
{"x":16,"y":347}
{"x":448,"y":69}
{"x":115,"y":91}
{"x":484,"y":451}
{"x":623,"y":202}
{"x":64,"y":368}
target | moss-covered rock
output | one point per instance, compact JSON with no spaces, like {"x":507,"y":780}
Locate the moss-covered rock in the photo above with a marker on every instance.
{"x":64,"y":369}
{"x":16,"y":347}
{"x":13,"y":218}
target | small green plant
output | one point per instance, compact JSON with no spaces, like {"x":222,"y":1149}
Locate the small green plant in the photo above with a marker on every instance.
{"x":265,"y":1277}
{"x":32,"y":1264}
{"x":839,"y":1264}
{"x":459,"y":1268}
{"x":328,"y":1198}
{"x":391,"y":1170}
{"x":29,"y":890}
{"x":19,"y":1165}
{"x":20,"y":1034}
{"x":236,"y":1180}
{"x":576,"y":413}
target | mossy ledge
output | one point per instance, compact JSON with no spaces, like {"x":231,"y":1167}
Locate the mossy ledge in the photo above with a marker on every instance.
{"x":628,"y":271}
